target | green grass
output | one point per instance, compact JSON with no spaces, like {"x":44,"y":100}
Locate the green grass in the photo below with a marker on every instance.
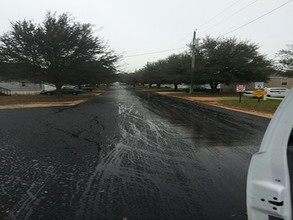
{"x":210,"y":94}
{"x":267,"y":106}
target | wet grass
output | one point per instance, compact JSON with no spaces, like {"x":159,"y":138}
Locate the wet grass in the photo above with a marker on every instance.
{"x":209,"y":94}
{"x":251,"y":104}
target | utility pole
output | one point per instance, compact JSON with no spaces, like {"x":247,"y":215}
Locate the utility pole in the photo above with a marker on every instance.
{"x":192,"y":62}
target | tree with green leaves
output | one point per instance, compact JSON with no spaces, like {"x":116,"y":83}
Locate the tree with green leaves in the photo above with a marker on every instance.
{"x":231,"y":61}
{"x":153,"y":73}
{"x":285,"y":63}
{"x":218,"y":61}
{"x":177,"y":69}
{"x":133,"y":79}
{"x":58,"y":51}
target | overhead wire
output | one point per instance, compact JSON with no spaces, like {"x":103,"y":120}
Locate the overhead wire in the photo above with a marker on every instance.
{"x":181,"y":48}
{"x":155,"y":52}
{"x":225,"y":19}
{"x":162,"y":51}
{"x":263,"y":15}
{"x":225,"y":9}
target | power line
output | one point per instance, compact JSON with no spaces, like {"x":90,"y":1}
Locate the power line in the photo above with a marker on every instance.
{"x":237,"y":12}
{"x":221,"y":12}
{"x":155,"y":52}
{"x":181,"y":48}
{"x":258,"y":18}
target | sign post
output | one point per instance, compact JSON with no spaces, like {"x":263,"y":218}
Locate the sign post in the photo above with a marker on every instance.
{"x":259,"y":93}
{"x":240,"y":89}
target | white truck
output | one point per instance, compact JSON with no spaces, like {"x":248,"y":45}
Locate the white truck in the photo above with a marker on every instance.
{"x":269,"y":181}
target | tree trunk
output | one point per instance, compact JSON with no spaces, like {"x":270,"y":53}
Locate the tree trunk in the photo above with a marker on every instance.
{"x":175,"y":86}
{"x":58,"y":88}
{"x":214,"y":86}
{"x":158,"y":85}
{"x":150,"y":85}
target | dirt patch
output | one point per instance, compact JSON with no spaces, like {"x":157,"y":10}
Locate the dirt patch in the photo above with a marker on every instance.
{"x":38,"y":103}
{"x":43,"y":104}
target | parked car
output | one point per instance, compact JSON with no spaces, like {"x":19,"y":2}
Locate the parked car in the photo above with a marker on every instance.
{"x":65,"y":90}
{"x":87,"y":87}
{"x":202,"y":88}
{"x":277,"y":92}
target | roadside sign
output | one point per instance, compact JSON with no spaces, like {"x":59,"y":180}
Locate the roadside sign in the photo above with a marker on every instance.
{"x":259,"y":93}
{"x":259,"y":85}
{"x":240,"y":88}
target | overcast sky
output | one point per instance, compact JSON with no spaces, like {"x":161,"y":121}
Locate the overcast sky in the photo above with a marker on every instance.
{"x":133,"y":27}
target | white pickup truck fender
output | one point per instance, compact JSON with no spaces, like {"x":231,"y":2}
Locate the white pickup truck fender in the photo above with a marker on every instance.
{"x":268,"y":181}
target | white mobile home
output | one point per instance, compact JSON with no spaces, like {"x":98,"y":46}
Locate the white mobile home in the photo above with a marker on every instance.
{"x":20,"y":88}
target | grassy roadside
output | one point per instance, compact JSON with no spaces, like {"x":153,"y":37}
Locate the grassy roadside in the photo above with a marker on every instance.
{"x":232,"y":95}
{"x":250,"y":104}
{"x":230,"y":100}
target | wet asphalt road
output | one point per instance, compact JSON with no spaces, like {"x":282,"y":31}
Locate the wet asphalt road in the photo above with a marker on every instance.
{"x":126,"y":154}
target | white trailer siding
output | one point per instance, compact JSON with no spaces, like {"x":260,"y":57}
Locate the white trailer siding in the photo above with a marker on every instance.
{"x":22,"y":88}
